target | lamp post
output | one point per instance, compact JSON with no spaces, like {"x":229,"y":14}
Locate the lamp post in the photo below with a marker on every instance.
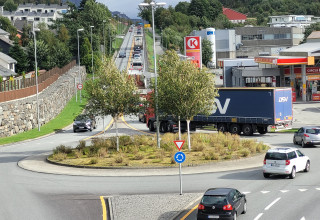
{"x":81,"y":29}
{"x":104,"y":41}
{"x":36,"y":73}
{"x":153,"y":5}
{"x":92,"y":53}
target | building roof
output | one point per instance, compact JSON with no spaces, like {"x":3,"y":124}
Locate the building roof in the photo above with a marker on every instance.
{"x":6,"y":39}
{"x":314,"y":35}
{"x":306,"y":50}
{"x":233,"y":15}
{"x":7,"y":58}
{"x":6,"y":72}
{"x":3,"y":32}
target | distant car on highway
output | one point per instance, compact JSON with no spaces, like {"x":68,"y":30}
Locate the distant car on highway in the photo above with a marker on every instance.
{"x":307,"y":136}
{"x":122,"y":54}
{"x":137,"y":57}
{"x":84,"y":123}
{"x":222,"y":203}
{"x":285,"y":161}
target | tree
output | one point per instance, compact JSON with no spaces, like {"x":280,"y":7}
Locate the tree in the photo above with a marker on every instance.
{"x":63,"y":34}
{"x":17,"y":53}
{"x":111,"y":93}
{"x":182,"y":7}
{"x":43,"y":54}
{"x":145,"y":12}
{"x":9,"y":5}
{"x":309,"y":30}
{"x":26,"y":35}
{"x":206,"y":51}
{"x":183,"y":89}
{"x":6,"y":25}
{"x":205,"y":8}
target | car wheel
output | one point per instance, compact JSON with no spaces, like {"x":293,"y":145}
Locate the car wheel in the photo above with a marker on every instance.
{"x":307,"y":168}
{"x":266,"y":175}
{"x":293,"y":173}
{"x":244,"y":208}
{"x":303,"y":144}
{"x":294,"y":140}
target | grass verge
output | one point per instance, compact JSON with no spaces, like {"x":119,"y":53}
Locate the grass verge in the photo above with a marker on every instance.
{"x":141,"y":151}
{"x":65,"y":118}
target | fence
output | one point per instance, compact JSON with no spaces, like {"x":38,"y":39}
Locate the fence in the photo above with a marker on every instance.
{"x":20,"y":88}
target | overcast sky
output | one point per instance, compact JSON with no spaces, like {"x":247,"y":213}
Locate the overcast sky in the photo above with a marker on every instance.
{"x":130,"y":7}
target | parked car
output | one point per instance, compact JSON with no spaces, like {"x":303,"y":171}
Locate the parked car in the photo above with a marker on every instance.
{"x":285,"y":161}
{"x":84,"y":123}
{"x":222,"y":203}
{"x":122,"y":54}
{"x":309,"y":135}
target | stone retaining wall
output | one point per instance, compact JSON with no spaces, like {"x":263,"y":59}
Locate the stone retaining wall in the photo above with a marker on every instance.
{"x":20,"y":115}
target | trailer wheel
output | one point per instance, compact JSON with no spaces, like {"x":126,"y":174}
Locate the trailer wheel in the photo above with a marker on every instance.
{"x":262,"y":130}
{"x":222,"y":127}
{"x":151,"y":126}
{"x":235,"y":129}
{"x":247,"y":130}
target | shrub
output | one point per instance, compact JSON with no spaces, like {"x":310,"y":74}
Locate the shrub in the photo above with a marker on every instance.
{"x":198,"y":146}
{"x":78,"y":153}
{"x":139,"y":156}
{"x":125,"y":140}
{"x":245,"y":152}
{"x":119,"y":158}
{"x":102,"y":152}
{"x":81,"y":145}
{"x":161,"y":154}
{"x":93,"y":150}
{"x":172,"y":160}
{"x":133,"y":149}
{"x":59,"y":156}
{"x":93,"y":160}
{"x":62,"y":149}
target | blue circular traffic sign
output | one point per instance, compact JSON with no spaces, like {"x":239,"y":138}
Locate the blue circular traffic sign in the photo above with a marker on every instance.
{"x":179,"y":157}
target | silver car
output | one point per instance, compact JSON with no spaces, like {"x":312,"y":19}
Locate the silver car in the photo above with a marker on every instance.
{"x":307,"y":136}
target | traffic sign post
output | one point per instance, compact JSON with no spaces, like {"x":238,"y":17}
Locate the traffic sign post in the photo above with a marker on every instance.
{"x":179,"y":144}
{"x":180,"y":157}
{"x":80,"y":86}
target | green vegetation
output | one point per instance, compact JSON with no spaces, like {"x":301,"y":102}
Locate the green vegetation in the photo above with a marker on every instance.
{"x":64,"y":119}
{"x":141,"y":151}
{"x":149,"y":42}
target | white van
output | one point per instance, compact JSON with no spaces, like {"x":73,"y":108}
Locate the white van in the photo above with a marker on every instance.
{"x":136,"y":65}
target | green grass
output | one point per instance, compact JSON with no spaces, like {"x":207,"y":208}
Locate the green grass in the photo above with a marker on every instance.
{"x":65,"y":118}
{"x":149,"y":42}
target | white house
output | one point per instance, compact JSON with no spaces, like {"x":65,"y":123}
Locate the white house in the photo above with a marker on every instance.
{"x":299,"y":21}
{"x":7,"y":66}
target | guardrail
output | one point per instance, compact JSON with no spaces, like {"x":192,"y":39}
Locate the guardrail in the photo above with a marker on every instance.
{"x":23,"y":87}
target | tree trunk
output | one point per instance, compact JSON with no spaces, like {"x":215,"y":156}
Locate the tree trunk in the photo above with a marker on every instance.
{"x":188,"y":128}
{"x":117,"y":135}
{"x":179,"y":127}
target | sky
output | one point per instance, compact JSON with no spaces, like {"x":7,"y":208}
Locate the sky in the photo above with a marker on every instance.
{"x":130,"y":7}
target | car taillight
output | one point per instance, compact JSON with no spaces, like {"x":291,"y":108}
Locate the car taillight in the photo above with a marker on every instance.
{"x":200,"y":207}
{"x":264,"y":162}
{"x":227,"y":207}
{"x":287,"y":162}
{"x":306,"y":135}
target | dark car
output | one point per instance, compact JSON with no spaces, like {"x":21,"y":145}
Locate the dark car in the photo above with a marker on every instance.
{"x":122,"y":54}
{"x":84,"y":123}
{"x":222,"y":203}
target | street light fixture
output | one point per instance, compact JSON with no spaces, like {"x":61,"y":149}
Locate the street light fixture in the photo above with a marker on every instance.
{"x":36,"y":72}
{"x":153,"y":5}
{"x":81,"y":29}
{"x":92,"y":53}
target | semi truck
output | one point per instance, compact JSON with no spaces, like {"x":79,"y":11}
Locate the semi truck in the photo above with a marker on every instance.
{"x":237,"y":110}
{"x":138,"y":42}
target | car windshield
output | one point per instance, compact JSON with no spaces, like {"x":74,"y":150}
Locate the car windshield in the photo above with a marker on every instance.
{"x":210,"y":200}
{"x":82,"y":118}
{"x":276,"y":156}
{"x":313,"y":131}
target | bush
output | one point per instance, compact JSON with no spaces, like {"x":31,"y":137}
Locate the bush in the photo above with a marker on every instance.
{"x":59,"y":156}
{"x":78,"y":153}
{"x":81,"y":145}
{"x":139,"y":156}
{"x":119,"y":158}
{"x":198,"y":146}
{"x":62,"y":149}
{"x":102,"y":152}
{"x":245,"y":152}
{"x":125,"y":140}
{"x":93,"y":160}
{"x":211,"y":155}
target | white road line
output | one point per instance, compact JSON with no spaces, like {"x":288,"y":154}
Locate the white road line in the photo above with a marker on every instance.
{"x":317,"y":188}
{"x":302,"y":190}
{"x":271,"y":204}
{"x":258,"y":216}
{"x":246,"y":192}
{"x":264,"y":192}
{"x":284,"y":191}
{"x":303,"y":218}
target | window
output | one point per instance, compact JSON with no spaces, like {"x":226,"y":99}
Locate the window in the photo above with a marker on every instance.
{"x":11,"y":66}
{"x":210,"y":200}
{"x":280,"y":36}
{"x":292,"y":155}
{"x":299,"y":153}
{"x":313,"y":131}
{"x":300,"y":130}
{"x":276,"y":156}
{"x":252,"y":37}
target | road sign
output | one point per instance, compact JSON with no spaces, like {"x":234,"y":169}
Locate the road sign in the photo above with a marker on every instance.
{"x":179,"y":144}
{"x":79,"y":86}
{"x":179,"y":157}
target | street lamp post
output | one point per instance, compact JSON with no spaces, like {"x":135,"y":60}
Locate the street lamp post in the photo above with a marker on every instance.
{"x":81,"y":29}
{"x":104,"y":41}
{"x":36,"y":73}
{"x":153,"y":5}
{"x":92,"y":53}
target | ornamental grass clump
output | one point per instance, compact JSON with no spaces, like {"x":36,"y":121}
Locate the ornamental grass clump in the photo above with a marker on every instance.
{"x":59,"y":156}
{"x":62,"y":149}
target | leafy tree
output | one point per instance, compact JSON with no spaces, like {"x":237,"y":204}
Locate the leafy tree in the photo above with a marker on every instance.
{"x":183,"y":89}
{"x":111,"y":93}
{"x":26,"y":35}
{"x":182,"y":7}
{"x":43,"y":55}
{"x":9,"y":5}
{"x":6,"y":25}
{"x":206,"y":51}
{"x":17,"y":53}
{"x":145,"y":12}
{"x":63,"y":34}
{"x":205,"y":8}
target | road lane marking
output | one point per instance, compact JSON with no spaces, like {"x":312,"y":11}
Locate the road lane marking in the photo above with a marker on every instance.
{"x":264,"y":192}
{"x":303,"y":218}
{"x":246,"y":193}
{"x":186,"y":215}
{"x":284,"y":191}
{"x":258,"y":216}
{"x":110,"y":123}
{"x":271,"y":204}
{"x":317,"y":188}
{"x":302,"y":190}
{"x":104,"y":209}
{"x":122,"y":118}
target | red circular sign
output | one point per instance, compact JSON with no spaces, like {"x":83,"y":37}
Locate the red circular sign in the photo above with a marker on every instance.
{"x":79,"y":86}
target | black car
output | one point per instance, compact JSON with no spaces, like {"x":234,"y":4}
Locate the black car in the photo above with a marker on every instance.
{"x":122,"y":54}
{"x":222,"y":203}
{"x":84,"y":123}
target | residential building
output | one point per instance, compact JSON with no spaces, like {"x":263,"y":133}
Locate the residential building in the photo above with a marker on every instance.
{"x":234,"y":16}
{"x":46,"y":13}
{"x":5,"y":42}
{"x":7,"y":66}
{"x":299,"y":21}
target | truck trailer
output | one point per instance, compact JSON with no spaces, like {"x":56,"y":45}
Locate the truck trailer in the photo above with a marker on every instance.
{"x":238,"y":110}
